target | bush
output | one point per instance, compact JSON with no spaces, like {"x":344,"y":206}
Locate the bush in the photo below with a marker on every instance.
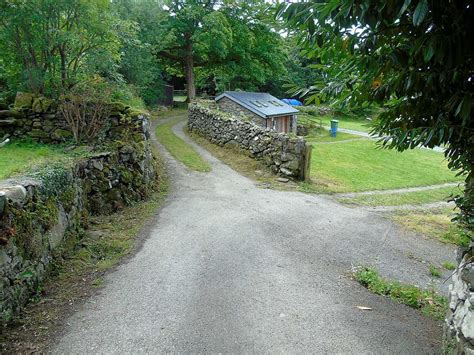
{"x":86,"y":108}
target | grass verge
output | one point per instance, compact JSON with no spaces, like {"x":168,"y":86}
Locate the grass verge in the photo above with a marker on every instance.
{"x":77,"y":275}
{"x":20,"y":156}
{"x":407,"y":198}
{"x":179,"y":149}
{"x":360,"y":166}
{"x":435,"y":224}
{"x":242,"y":163}
{"x":428,"y":301}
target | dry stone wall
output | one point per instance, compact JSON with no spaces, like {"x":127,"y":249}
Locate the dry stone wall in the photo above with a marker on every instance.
{"x":459,"y":326}
{"x":39,"y":119}
{"x":42,"y":213}
{"x":227,"y":105}
{"x":283,"y":154}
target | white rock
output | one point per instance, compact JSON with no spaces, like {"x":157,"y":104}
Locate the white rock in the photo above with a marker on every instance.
{"x":460,"y":313}
{"x":15,"y":193}
{"x":467,"y":327}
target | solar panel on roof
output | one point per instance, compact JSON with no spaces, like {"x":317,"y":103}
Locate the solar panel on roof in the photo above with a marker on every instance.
{"x":256,"y":103}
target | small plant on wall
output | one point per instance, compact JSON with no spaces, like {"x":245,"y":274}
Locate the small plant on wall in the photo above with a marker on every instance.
{"x":86,"y":108}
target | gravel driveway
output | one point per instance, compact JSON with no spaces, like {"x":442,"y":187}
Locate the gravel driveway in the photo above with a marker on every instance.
{"x":230,"y":267}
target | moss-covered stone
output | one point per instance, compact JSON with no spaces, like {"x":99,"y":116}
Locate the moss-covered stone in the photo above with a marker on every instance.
{"x":23,"y":100}
{"x":38,"y":133}
{"x":61,"y":134}
{"x":41,"y":104}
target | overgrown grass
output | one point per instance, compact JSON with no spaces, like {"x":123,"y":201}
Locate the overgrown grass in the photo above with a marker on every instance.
{"x":434,"y":271}
{"x":20,"y":156}
{"x":179,"y":98}
{"x":433,"y":223}
{"x":179,"y":149}
{"x":406,"y":198}
{"x":361,"y":166}
{"x":428,"y":301}
{"x":449,"y":265}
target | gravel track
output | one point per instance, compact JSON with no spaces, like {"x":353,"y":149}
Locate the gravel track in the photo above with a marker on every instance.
{"x":230,"y":267}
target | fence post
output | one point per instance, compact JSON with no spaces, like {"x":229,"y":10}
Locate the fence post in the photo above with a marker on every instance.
{"x":307,"y":162}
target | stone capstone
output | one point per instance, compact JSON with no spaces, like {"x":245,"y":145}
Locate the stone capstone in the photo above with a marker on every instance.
{"x":23,"y":100}
{"x":16,"y":194}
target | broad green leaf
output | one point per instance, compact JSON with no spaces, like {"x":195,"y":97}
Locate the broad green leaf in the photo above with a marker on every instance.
{"x":428,"y":52}
{"x":420,"y":12}
{"x":404,"y":7}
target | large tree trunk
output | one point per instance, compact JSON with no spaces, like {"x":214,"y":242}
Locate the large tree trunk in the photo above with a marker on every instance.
{"x":191,"y":90}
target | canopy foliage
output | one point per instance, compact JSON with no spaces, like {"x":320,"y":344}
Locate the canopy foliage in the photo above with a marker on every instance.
{"x":415,"y":58}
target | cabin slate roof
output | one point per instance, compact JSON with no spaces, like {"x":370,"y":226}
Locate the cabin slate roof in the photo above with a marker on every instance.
{"x":260,"y":103}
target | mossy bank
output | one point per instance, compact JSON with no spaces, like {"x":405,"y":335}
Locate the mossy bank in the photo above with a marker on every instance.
{"x":43,"y":214}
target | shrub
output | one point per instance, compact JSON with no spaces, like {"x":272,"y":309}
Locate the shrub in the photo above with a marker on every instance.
{"x":86,"y":109}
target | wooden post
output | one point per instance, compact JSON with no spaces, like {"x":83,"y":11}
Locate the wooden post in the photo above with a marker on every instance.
{"x":307,"y":162}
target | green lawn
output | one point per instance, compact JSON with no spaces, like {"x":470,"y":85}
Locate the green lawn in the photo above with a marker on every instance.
{"x":326,"y":137}
{"x":361,"y":166}
{"x":19,"y":157}
{"x":362,"y":125}
{"x":179,"y":148}
{"x":407,"y":198}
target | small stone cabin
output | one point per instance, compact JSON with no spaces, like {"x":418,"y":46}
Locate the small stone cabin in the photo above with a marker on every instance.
{"x":262,"y":108}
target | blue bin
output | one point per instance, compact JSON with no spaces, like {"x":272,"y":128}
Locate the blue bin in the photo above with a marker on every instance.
{"x":334,"y":124}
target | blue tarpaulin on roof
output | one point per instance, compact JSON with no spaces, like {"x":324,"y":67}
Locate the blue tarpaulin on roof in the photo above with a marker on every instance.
{"x":292,"y":102}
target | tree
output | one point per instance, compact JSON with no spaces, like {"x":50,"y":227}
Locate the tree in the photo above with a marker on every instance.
{"x":255,"y":57}
{"x":139,"y":65}
{"x":48,"y":45}
{"x":193,"y":30}
{"x":413,"y":57}
{"x":226,"y":44}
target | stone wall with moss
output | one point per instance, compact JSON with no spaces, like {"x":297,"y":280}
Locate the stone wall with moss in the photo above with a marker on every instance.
{"x":39,"y":119}
{"x":44,"y":213}
{"x":285,"y":154}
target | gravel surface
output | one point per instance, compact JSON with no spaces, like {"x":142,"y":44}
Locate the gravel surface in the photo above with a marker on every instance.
{"x":230,"y":267}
